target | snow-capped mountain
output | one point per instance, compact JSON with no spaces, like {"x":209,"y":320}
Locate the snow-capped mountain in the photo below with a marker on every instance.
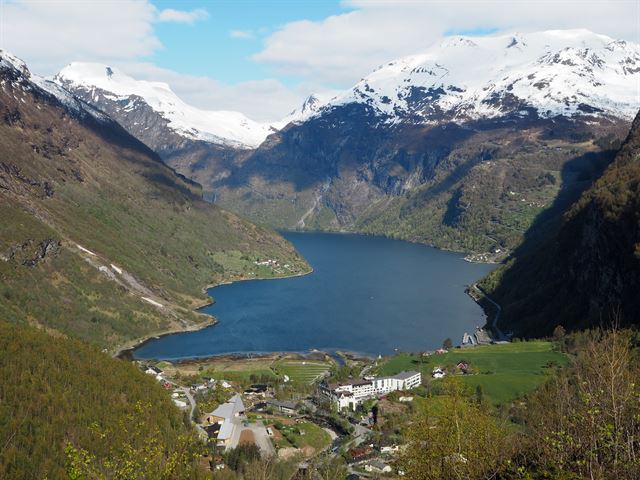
{"x":20,"y":75}
{"x":96,"y":82}
{"x":448,"y":146}
{"x":309,"y":108}
{"x":561,"y":72}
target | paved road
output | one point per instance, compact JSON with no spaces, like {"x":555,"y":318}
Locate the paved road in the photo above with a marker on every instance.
{"x":360,"y":434}
{"x":202,"y":433}
{"x":494,"y":324}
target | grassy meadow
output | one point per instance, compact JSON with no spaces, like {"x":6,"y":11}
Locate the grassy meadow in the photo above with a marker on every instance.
{"x":504,"y":371}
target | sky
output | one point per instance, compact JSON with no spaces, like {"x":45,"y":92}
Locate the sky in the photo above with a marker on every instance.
{"x":263,"y":57}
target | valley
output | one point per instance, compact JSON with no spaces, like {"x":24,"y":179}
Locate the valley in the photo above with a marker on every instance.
{"x":451,"y":240}
{"x":460,"y":147}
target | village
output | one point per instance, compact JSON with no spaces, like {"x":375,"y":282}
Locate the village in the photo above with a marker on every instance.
{"x":301,"y":408}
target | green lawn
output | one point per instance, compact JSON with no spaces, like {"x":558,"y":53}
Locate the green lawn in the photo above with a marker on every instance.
{"x":304,"y":435}
{"x":302,"y":371}
{"x":504,"y":372}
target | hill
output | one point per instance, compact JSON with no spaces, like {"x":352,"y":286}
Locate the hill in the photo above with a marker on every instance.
{"x":580,"y":269}
{"x":61,"y":394}
{"x":98,"y":238}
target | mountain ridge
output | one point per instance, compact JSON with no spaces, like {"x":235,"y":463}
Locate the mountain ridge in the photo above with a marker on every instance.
{"x":408,"y":151}
{"x":582,"y":268}
{"x":119,"y":245}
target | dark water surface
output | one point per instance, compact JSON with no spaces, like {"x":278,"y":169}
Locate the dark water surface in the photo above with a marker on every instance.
{"x":368,"y":295}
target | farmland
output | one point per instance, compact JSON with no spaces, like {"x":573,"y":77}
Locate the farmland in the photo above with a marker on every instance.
{"x":504,"y":372}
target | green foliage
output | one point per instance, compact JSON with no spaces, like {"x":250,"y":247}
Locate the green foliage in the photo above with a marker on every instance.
{"x":586,"y":421}
{"x":461,"y":440}
{"x":239,"y":458}
{"x":68,"y":409}
{"x":114,"y":197}
{"x":580,"y":267}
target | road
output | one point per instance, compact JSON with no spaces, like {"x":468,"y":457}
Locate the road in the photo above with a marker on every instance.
{"x":192,"y":408}
{"x":360,"y":434}
{"x":494,"y":324}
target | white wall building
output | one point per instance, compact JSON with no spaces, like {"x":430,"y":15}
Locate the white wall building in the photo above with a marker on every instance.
{"x":350,"y":395}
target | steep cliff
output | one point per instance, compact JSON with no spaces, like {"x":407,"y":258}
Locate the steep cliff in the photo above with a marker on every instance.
{"x":583,"y":268}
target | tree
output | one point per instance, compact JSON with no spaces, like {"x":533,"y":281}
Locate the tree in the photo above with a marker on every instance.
{"x":447,"y":344}
{"x":142,"y":455}
{"x":458,"y":440}
{"x":586,"y":421}
{"x":559,"y":333}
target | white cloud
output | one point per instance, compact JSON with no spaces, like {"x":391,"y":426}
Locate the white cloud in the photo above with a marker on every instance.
{"x":242,"y":34}
{"x":261,"y":100}
{"x":181,"y":16}
{"x":342,"y":48}
{"x":48,"y":35}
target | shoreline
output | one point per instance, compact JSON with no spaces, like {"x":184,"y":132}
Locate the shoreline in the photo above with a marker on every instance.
{"x":467,"y":255}
{"x":126,"y":350}
{"x":330,"y":353}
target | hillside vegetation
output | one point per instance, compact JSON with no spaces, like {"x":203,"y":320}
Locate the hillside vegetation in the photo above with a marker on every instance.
{"x":93,"y":223}
{"x":582,"y":423}
{"x":582,"y":268}
{"x":66,"y":407}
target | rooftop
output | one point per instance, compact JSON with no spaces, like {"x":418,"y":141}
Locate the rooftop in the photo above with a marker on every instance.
{"x":230,"y":408}
{"x":405,"y":375}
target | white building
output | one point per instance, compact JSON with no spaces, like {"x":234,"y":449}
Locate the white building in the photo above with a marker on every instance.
{"x":227,"y":416}
{"x":350,"y":395}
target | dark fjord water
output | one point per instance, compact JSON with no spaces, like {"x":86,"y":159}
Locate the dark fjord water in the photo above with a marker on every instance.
{"x":368,"y":295}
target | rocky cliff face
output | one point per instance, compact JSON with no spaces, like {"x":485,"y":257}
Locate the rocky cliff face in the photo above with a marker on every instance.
{"x":474,"y":186}
{"x":586,"y":272}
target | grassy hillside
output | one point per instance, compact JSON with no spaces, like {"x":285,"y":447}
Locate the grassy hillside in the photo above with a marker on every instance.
{"x":60,"y":394}
{"x":504,"y":372}
{"x":93,"y":223}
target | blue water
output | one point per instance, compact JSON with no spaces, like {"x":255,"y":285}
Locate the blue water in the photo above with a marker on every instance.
{"x":367,"y":295}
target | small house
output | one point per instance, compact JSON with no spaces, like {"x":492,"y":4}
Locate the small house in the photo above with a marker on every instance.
{"x":377,"y":466}
{"x":153,"y":371}
{"x":438,"y":373}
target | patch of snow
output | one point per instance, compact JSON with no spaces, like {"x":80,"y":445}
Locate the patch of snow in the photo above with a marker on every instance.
{"x":152,"y":302}
{"x":85,"y":250}
{"x":223,"y":127}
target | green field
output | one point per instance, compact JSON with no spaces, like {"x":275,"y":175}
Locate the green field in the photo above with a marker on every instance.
{"x":304,"y":435}
{"x":504,"y":372}
{"x":301,"y":371}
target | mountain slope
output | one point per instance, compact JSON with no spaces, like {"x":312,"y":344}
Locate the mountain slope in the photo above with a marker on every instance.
{"x":104,"y":84}
{"x":99,"y":239}
{"x":60,"y":392}
{"x":557,"y":72}
{"x":461,"y":146}
{"x":584,"y":268}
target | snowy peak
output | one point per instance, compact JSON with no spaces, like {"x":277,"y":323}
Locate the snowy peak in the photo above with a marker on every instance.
{"x":557,"y":72}
{"x":220,"y":127}
{"x":311,"y":106}
{"x":22,"y":78}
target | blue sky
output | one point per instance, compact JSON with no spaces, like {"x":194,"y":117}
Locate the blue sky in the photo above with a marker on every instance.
{"x":207,"y":47}
{"x":263,"y":57}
